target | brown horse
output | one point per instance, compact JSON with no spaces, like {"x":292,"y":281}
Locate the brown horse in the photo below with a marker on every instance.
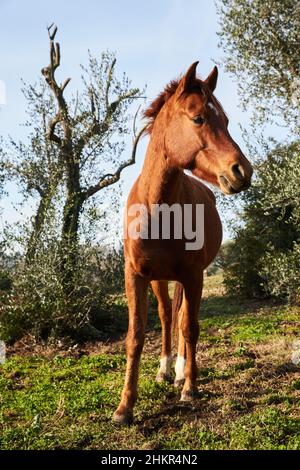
{"x":188,"y":131}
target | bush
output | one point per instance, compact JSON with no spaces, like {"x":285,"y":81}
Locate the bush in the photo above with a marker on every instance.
{"x":242,"y":265}
{"x":281,"y":271}
{"x":42,"y":303}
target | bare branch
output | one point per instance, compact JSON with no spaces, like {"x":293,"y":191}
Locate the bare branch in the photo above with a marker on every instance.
{"x":52,"y":35}
{"x":49,"y":73}
{"x":108,"y":81}
{"x":57,"y":55}
{"x":51,"y":129}
{"x":65,"y":83}
{"x":134,"y":121}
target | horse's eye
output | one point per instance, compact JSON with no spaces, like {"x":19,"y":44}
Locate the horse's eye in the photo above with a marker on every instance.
{"x":198,"y":120}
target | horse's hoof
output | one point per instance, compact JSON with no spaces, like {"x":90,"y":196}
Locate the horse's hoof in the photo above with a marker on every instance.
{"x":162,"y":377}
{"x":178,"y":383}
{"x":123,"y":419}
{"x":189,"y":395}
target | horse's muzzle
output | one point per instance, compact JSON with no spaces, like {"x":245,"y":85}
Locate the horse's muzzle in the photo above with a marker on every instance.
{"x":236,"y":180}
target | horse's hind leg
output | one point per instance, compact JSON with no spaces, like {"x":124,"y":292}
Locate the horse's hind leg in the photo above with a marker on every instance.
{"x":160,"y":289}
{"x":177,"y":312}
{"x":136,"y":291}
{"x":181,"y":355}
{"x":190,"y":329}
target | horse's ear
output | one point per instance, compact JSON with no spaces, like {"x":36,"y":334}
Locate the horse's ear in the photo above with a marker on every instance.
{"x":188,"y":80}
{"x":212,"y":78}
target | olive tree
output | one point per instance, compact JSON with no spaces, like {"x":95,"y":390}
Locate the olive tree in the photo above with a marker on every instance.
{"x":261,"y":44}
{"x":70,"y":163}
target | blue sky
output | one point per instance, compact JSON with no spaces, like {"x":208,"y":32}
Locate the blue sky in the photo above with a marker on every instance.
{"x":154,"y":42}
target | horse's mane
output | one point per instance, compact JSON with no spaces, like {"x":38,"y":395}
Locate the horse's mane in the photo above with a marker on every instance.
{"x":155,"y":106}
{"x":153,"y":109}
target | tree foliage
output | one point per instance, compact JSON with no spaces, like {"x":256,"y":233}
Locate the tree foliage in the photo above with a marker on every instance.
{"x":264,"y":258}
{"x":261,"y":44}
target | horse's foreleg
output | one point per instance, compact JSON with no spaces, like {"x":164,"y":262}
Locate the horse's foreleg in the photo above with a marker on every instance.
{"x":136,"y":291}
{"x":190,"y":330}
{"x":160,"y":289}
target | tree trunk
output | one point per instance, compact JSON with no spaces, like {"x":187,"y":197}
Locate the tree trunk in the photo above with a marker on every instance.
{"x":71,"y":214}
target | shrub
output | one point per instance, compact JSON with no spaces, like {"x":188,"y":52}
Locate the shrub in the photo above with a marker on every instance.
{"x":281,"y":271}
{"x":41,"y":303}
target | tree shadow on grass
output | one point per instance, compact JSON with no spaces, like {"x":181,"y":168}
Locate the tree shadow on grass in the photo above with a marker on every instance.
{"x":112,"y":323}
{"x":225,"y":305}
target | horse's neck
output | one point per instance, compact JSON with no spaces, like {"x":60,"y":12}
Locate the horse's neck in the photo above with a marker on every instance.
{"x":159,"y":182}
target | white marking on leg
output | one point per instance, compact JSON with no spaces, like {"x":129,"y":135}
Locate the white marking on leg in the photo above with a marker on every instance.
{"x":180,"y":368}
{"x":165,"y":365}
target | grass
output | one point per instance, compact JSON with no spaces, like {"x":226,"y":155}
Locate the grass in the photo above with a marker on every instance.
{"x":249,"y":388}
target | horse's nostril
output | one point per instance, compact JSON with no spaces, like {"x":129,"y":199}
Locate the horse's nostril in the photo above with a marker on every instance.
{"x":238,"y":171}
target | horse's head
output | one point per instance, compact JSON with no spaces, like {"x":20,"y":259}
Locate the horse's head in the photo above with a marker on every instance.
{"x":197,"y":136}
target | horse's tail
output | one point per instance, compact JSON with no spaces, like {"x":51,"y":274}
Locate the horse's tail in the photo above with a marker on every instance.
{"x":176,"y":304}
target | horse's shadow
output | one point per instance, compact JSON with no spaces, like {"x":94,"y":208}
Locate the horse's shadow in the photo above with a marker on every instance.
{"x":171,"y":407}
{"x":207,"y":404}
